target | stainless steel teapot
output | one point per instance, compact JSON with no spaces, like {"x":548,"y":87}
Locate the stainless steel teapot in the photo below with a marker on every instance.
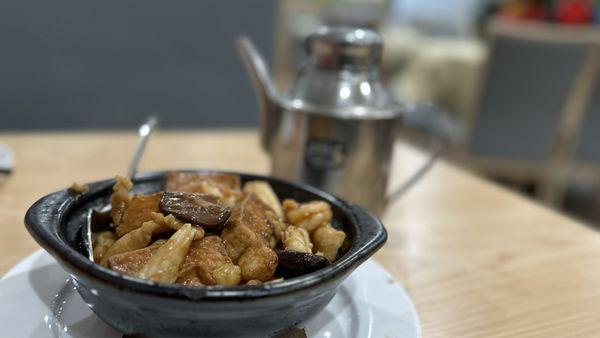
{"x":335,"y":127}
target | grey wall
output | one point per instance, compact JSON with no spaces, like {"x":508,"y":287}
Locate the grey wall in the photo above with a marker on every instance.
{"x":104,"y":64}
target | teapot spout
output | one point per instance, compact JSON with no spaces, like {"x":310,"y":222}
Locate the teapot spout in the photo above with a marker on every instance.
{"x":263,"y":86}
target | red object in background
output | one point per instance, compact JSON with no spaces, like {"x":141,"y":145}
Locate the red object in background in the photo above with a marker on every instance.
{"x":573,"y":11}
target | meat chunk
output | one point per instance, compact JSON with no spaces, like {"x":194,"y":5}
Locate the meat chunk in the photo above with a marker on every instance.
{"x":130,"y":263}
{"x":309,"y":216}
{"x":223,"y":186}
{"x":139,"y":210}
{"x":258,"y":263}
{"x":208,"y":259}
{"x":328,"y":241}
{"x":227,"y":274}
{"x":132,"y":240}
{"x":239,"y":237}
{"x":189,"y":277}
{"x":296,"y":239}
{"x":248,"y":226}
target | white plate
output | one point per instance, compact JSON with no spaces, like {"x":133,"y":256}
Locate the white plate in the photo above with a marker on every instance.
{"x":37,"y":300}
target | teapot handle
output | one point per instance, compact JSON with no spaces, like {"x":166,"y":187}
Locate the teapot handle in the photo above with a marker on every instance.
{"x":431,"y":119}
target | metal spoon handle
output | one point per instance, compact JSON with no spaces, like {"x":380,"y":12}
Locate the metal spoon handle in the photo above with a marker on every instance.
{"x":144,"y":132}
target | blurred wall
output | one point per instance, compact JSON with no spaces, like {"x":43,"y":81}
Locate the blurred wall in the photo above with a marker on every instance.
{"x":105,"y":64}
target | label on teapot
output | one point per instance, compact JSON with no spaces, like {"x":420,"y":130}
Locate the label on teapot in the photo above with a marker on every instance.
{"x":323,"y":154}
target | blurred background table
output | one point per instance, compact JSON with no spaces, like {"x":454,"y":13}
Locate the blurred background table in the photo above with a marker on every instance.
{"x":476,"y":259}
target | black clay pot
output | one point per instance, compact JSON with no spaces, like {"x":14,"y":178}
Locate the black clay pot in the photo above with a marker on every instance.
{"x":140,"y":307}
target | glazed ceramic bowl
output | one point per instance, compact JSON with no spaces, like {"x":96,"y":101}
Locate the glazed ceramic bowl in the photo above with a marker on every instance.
{"x":141,"y":307}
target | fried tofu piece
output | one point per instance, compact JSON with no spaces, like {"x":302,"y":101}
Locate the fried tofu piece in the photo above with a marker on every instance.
{"x":226,"y":187}
{"x":309,"y":216}
{"x":139,"y":210}
{"x":130,"y":263}
{"x":258,"y":263}
{"x":328,"y":240}
{"x":136,"y":239}
{"x":176,"y":181}
{"x":263,"y":190}
{"x":164,"y":265}
{"x":238,"y":238}
{"x":208,"y":252}
{"x":248,"y":226}
{"x":208,"y":257}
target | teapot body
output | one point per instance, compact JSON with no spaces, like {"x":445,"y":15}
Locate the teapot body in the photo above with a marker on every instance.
{"x":347,"y":157}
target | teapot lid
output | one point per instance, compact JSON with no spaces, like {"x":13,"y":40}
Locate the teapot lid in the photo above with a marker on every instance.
{"x":344,"y":47}
{"x":342,"y":77}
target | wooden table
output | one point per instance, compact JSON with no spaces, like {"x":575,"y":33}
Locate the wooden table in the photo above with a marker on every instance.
{"x":476,"y":259}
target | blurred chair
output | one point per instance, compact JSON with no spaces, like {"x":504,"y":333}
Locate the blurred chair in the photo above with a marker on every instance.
{"x":106,"y":64}
{"x":533,"y":93}
{"x":585,"y":160}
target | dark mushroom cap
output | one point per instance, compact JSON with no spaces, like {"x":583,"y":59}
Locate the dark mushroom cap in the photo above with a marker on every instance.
{"x":195,"y":208}
{"x":292,"y":263}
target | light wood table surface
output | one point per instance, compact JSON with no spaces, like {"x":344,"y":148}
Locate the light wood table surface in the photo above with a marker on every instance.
{"x":477,"y":260}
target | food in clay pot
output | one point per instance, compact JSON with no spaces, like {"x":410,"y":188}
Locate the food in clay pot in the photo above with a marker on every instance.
{"x":210,"y":229}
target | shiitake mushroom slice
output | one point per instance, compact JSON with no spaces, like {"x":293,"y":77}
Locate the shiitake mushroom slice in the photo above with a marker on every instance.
{"x":195,"y":208}
{"x":293,"y":264}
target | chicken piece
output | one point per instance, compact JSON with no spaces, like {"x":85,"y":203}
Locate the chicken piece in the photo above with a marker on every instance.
{"x":328,"y":240}
{"x":133,"y":240}
{"x":227,"y":274}
{"x":223,"y":186}
{"x":263,"y":190}
{"x":208,"y":257}
{"x":279,"y":227}
{"x":248,"y":226}
{"x":120,"y":198}
{"x":164,"y":265}
{"x":175,"y":224}
{"x":138,"y":211}
{"x":309,"y":216}
{"x":296,"y":239}
{"x":258,"y":263}
{"x":130,"y":263}
{"x":189,"y":277}
{"x":101,"y":242}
